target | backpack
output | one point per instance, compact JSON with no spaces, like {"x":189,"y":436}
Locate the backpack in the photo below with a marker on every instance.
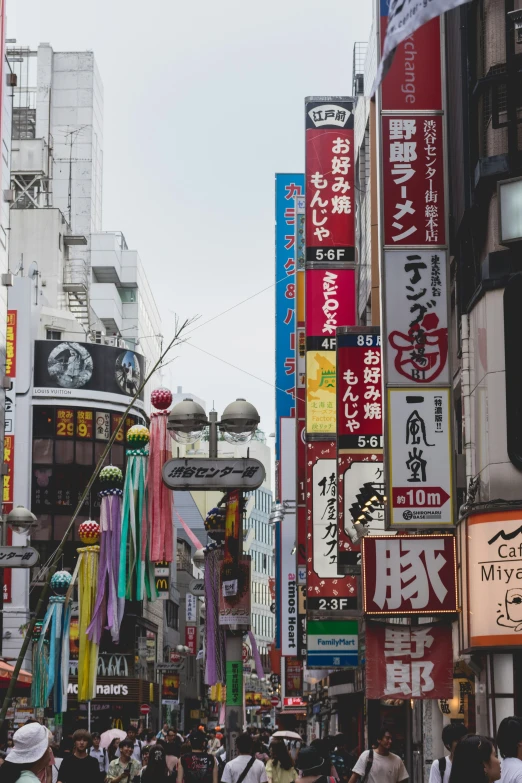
{"x":442,"y":768}
{"x":369,"y":764}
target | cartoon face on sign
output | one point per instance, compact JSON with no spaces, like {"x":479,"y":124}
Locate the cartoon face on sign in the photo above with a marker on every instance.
{"x":421,"y":354}
{"x":513,"y":610}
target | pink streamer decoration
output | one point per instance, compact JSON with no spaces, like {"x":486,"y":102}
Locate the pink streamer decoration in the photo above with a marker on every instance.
{"x":193,"y":537}
{"x":157,"y":528}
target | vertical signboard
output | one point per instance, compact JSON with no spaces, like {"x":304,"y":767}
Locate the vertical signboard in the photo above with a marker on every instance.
{"x":415,"y":282}
{"x":330,"y":303}
{"x":287,"y":549}
{"x":420,"y":457}
{"x":325,"y":590}
{"x":287,"y":187}
{"x":330,"y":251}
{"x":10,"y":395}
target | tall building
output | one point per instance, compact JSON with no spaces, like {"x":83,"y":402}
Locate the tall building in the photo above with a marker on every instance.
{"x":86,"y":331}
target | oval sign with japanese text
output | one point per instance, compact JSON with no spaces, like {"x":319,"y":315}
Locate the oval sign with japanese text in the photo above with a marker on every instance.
{"x":203,"y":473}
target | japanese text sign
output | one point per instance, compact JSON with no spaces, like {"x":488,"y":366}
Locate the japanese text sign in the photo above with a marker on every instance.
{"x":10,"y":344}
{"x":84,"y":424}
{"x":330,"y":200}
{"x":413,"y":181}
{"x":359,"y":390}
{"x":191,"y":638}
{"x":8,"y":482}
{"x":406,"y":662}
{"x":413,"y":82}
{"x":330,"y":302}
{"x":325,"y":589}
{"x":201,"y":473}
{"x":287,"y":187}
{"x":420,"y":457}
{"x":409,"y":574}
{"x":416,"y":317}
{"x":234,"y":682}
{"x":191,"y":608}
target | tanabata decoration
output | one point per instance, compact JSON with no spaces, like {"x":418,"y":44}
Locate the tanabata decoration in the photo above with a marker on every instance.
{"x":52,"y":675}
{"x":87,"y":569}
{"x":136,"y":569}
{"x":108,"y":609}
{"x":157,"y":525}
{"x":40,"y":664}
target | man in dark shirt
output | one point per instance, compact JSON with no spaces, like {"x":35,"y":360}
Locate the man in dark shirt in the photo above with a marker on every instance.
{"x":79,"y":767}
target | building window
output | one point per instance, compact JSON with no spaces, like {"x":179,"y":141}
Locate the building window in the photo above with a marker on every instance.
{"x":172,"y":611}
{"x":53,"y":334}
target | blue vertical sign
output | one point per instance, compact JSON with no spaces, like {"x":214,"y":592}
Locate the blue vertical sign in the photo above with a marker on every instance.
{"x":287,"y":187}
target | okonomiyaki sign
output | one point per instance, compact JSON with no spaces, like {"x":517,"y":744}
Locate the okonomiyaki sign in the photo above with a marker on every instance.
{"x":495,"y":578}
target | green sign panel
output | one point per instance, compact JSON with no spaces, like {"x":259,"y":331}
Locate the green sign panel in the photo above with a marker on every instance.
{"x":234,"y":683}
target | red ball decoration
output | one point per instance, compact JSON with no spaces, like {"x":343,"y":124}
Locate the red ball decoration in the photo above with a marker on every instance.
{"x":161,"y":398}
{"x":89,"y":532}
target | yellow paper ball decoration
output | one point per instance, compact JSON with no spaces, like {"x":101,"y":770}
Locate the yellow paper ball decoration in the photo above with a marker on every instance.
{"x":138,"y":434}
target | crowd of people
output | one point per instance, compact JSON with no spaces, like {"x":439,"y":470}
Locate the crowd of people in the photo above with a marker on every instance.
{"x":200,"y":757}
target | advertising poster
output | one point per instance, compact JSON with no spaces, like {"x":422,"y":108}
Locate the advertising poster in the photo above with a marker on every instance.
{"x":409,"y":662}
{"x":235,"y":609}
{"x":170,"y":687}
{"x":87,"y":370}
{"x":359,"y":389}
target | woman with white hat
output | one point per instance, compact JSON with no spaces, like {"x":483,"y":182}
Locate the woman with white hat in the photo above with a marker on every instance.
{"x":29,"y":755}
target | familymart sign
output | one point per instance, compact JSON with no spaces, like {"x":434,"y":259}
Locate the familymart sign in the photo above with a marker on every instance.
{"x":332,"y":643}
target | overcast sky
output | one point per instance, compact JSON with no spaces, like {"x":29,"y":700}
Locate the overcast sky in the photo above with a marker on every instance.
{"x":203,"y":104}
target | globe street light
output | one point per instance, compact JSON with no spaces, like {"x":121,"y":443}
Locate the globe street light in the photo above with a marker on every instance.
{"x":238,"y":423}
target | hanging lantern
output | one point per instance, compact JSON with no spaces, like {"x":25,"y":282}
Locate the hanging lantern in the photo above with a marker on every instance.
{"x":136,"y":570}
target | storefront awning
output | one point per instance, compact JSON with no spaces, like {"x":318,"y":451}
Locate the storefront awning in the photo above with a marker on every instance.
{"x":6,"y":670}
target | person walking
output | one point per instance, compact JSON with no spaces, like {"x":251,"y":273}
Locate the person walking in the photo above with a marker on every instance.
{"x":79,"y":767}
{"x":475,"y":760}
{"x":198,"y":766}
{"x":29,"y":756}
{"x":280,"y":767}
{"x":441,"y":768}
{"x":100,"y":754}
{"x":379,"y":765}
{"x":125,"y":767}
{"x":509,"y":741}
{"x":132,"y":736}
{"x":112,"y":750}
{"x":162,"y":733}
{"x":245,"y":768}
{"x":156,"y":770}
{"x":311,"y":765}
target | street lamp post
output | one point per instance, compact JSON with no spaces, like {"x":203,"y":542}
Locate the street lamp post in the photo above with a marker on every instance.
{"x":239,"y":422}
{"x":21,"y":520}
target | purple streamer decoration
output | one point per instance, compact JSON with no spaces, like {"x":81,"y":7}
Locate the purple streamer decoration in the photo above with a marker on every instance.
{"x":257,"y":658}
{"x":210,"y":627}
{"x":108,"y":608}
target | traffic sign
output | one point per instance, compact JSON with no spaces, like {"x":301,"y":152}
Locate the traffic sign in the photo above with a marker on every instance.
{"x":245,"y":653}
{"x":144,"y":709}
{"x":18,"y":557}
{"x":275,"y":701}
{"x":202,"y":473}
{"x":197,"y":587}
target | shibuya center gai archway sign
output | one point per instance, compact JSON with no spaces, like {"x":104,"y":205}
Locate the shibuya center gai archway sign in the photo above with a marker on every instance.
{"x":202,"y":473}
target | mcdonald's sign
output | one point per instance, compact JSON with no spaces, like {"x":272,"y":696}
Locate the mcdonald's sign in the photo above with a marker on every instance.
{"x":162,"y":579}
